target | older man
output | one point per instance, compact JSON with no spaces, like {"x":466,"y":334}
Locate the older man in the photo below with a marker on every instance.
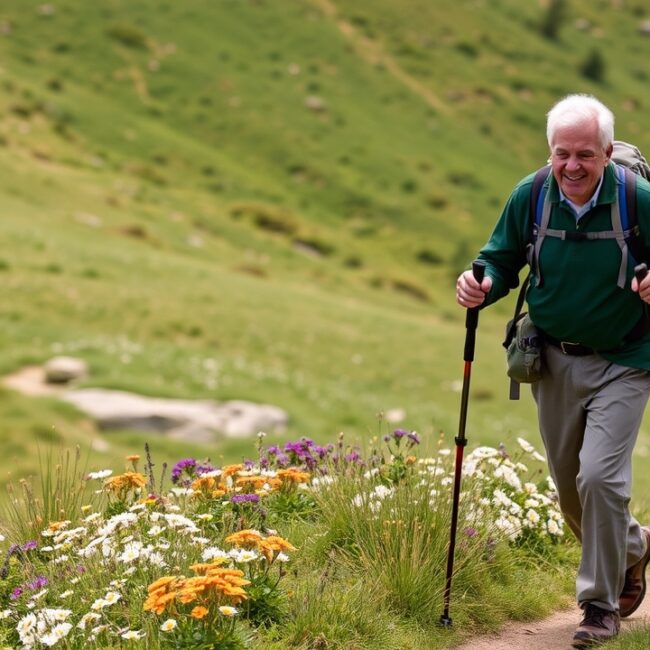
{"x":584,"y":298}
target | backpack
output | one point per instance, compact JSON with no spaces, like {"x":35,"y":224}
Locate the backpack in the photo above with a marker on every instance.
{"x":630,"y":163}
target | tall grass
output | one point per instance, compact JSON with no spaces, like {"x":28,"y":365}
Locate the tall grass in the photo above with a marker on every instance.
{"x":324,"y":547}
{"x":58,"y":492}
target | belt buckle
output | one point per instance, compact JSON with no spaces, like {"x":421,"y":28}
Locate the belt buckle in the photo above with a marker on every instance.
{"x":566,"y":346}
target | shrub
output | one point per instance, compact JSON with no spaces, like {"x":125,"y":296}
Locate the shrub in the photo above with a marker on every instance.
{"x":128,"y":35}
{"x":593,"y":67}
{"x":553,"y":19}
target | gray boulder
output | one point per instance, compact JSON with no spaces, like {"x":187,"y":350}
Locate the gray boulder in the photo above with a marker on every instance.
{"x":195,"y":420}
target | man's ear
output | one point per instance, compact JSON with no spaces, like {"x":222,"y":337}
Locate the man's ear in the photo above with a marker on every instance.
{"x":609,"y":151}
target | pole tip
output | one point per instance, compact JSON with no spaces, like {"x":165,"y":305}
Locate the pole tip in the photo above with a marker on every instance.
{"x":445,"y":620}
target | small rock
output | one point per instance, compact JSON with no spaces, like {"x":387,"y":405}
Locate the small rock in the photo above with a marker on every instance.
{"x":393,"y":416}
{"x":63,"y":370}
{"x":314,"y":103}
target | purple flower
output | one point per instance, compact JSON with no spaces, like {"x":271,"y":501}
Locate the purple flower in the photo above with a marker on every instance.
{"x":29,"y":546}
{"x":37,"y":583}
{"x":353,"y":457}
{"x":204,"y":468}
{"x":282,"y":459}
{"x":398,"y":434}
{"x":470,"y":532}
{"x":16,"y":593}
{"x":413,"y":437}
{"x":321,"y":452}
{"x":245,"y":498}
{"x":185,"y":465}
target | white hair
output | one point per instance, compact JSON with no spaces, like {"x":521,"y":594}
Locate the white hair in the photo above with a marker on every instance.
{"x":577,"y":109}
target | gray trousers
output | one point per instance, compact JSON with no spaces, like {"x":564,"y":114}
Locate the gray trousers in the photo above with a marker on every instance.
{"x":590,"y":411}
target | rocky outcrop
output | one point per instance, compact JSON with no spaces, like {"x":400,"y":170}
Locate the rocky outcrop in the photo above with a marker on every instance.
{"x":192,"y":420}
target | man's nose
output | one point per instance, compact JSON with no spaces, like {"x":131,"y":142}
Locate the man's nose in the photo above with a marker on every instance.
{"x":573,"y":162}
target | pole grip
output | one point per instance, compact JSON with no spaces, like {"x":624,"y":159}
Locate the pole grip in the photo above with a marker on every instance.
{"x":471,"y":318}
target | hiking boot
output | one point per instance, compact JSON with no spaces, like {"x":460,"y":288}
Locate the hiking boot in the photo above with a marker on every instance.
{"x":597,"y":626}
{"x":635,"y":583}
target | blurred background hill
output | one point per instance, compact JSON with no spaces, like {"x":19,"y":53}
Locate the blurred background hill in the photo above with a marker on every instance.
{"x":270,"y":201}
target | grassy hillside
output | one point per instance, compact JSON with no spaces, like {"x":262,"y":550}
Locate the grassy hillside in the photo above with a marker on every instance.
{"x":271,"y":201}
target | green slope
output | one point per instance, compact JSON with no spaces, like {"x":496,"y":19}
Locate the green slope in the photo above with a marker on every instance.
{"x":270,"y":201}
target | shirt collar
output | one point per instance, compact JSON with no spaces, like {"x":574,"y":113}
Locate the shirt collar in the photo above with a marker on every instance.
{"x":579,"y":211}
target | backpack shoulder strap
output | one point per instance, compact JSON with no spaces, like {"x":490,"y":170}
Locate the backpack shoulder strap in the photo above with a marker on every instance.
{"x":540,"y":211}
{"x":629,"y":217}
{"x":536,"y":198}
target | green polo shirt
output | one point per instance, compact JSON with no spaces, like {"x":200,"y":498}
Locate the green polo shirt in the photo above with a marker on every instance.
{"x":578,"y":299}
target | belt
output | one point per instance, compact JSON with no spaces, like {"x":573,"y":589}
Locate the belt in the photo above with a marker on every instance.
{"x":567,"y":347}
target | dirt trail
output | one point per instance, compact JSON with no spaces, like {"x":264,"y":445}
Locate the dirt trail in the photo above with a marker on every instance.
{"x":552,"y":633}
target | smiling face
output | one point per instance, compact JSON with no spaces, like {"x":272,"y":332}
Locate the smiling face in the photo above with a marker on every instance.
{"x":578,"y":159}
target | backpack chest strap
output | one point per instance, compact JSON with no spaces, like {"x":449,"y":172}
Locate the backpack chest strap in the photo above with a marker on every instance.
{"x":541,"y":230}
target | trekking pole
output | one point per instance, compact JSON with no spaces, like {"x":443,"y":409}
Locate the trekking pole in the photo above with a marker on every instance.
{"x":471,"y":322}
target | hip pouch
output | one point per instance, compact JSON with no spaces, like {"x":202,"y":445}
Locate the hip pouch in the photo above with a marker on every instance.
{"x":523,"y":344}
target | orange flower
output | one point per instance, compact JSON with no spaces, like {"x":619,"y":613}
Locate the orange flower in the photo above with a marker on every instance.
{"x":218,"y":583}
{"x":294,"y":475}
{"x":199,"y":612}
{"x":256,"y":481}
{"x":161,"y":583}
{"x":205,"y":567}
{"x":274,"y":543}
{"x":204,"y":484}
{"x":278,"y":543}
{"x":189,"y":593}
{"x":229,"y":470}
{"x":134,"y":458}
{"x":245,"y":538}
{"x":159,"y":603}
{"x":126,"y":481}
